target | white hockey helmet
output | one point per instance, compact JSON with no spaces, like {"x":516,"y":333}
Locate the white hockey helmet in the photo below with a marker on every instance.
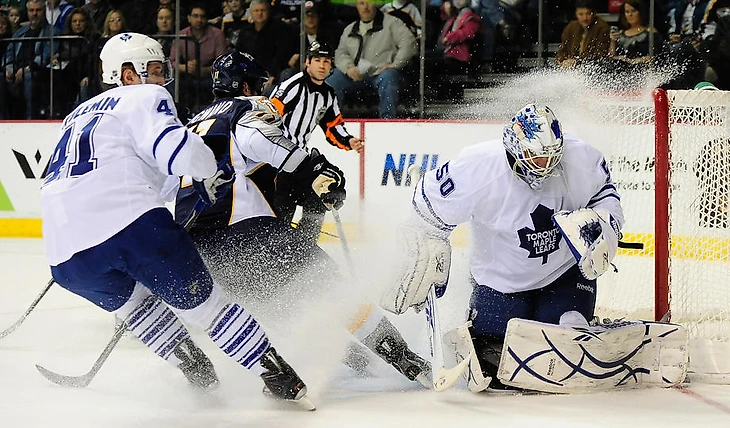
{"x":534,"y":144}
{"x":135,"y":49}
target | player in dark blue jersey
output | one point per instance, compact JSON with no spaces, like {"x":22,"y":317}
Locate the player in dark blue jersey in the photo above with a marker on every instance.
{"x":254,"y":254}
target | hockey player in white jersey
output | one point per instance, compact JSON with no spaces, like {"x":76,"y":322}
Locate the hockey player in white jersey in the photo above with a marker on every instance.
{"x":110,"y":239}
{"x":250,"y":250}
{"x":545,"y":221}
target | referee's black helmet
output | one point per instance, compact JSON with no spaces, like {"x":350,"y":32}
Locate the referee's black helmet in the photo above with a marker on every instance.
{"x":319,"y":49}
{"x":230,"y":70}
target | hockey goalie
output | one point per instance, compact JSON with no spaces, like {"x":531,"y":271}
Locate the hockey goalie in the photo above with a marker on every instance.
{"x":545,"y":222}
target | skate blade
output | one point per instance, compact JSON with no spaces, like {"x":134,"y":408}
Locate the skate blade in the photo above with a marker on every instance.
{"x":302,"y":402}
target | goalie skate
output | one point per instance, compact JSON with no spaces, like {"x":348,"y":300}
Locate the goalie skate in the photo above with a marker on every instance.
{"x":282,"y":382}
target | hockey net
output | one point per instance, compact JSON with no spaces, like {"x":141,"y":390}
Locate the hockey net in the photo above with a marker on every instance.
{"x":669,"y":155}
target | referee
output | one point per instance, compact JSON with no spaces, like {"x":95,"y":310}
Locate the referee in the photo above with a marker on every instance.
{"x":306,"y":101}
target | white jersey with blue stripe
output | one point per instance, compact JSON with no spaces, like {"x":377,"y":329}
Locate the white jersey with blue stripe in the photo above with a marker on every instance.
{"x":515,"y":245}
{"x":114,"y":154}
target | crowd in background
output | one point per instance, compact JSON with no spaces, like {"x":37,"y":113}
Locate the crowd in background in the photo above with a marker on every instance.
{"x":376,"y":43}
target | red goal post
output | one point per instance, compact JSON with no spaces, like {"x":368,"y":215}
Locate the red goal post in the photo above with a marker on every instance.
{"x":669,"y":156}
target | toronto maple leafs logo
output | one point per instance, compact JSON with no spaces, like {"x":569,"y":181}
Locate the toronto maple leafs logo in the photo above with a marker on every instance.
{"x":543,"y":239}
{"x":126,"y":36}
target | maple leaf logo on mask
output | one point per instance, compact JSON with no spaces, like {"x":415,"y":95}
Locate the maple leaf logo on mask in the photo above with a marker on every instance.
{"x":544,"y":237}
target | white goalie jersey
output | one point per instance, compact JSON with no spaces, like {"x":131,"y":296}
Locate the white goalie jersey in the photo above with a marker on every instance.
{"x":515,"y":244}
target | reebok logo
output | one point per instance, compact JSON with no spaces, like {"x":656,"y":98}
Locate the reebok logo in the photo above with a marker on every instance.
{"x":585,"y":287}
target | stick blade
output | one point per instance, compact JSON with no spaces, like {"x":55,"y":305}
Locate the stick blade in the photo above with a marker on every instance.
{"x":447,"y":378}
{"x":58,"y":379}
{"x":11,"y":328}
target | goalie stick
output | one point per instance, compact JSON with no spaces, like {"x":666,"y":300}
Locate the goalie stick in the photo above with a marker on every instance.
{"x":86,"y":378}
{"x":32,"y":306}
{"x":443,"y":378}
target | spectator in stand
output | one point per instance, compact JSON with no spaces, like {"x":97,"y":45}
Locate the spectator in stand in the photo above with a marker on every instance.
{"x":194,"y":68}
{"x":165,"y":27}
{"x":716,"y":44}
{"x":286,"y":11}
{"x":25,"y":62}
{"x":453,"y":53}
{"x":371,"y":54}
{"x":75,"y":59}
{"x":114,"y":23}
{"x":217,"y":21}
{"x":97,"y":9}
{"x":685,"y":19}
{"x":682,"y":52}
{"x":630,"y":45}
{"x":505,"y":23}
{"x":271,"y":42}
{"x":406,"y":12}
{"x":5,"y":33}
{"x":586,"y":38}
{"x":314,"y":31}
{"x":140,"y":15}
{"x":233,"y":21}
{"x":15,"y":15}
{"x":57,"y":11}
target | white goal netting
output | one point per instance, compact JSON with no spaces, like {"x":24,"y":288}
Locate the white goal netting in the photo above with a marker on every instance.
{"x":698,"y":291}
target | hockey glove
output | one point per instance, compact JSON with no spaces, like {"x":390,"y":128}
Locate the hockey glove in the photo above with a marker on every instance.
{"x":592,"y":236}
{"x":328,"y":181}
{"x":213,"y":188}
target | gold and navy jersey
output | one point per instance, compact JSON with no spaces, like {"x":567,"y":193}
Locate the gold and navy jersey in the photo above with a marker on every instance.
{"x":252,"y":127}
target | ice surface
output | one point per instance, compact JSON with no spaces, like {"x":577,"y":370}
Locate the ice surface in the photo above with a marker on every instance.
{"x":137,"y":389}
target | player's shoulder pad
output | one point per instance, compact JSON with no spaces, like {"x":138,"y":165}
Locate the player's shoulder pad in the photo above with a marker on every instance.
{"x":482,"y":155}
{"x":580,"y":153}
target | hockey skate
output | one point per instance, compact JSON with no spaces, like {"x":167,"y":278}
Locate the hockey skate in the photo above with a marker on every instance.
{"x":195,"y":365}
{"x":282,"y":382}
{"x":396,"y":353}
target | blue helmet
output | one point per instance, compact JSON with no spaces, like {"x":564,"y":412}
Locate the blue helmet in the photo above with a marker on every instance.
{"x":232,"y":69}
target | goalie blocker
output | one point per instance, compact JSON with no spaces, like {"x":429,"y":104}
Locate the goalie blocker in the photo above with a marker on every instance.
{"x":427,"y":263}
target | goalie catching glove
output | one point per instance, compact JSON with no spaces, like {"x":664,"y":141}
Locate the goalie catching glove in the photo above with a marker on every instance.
{"x":592,"y":236}
{"x":328,"y":181}
{"x":213,"y":188}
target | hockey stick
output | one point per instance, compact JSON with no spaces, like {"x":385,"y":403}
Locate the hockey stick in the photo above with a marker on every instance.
{"x":28,"y":311}
{"x":86,"y":378}
{"x":443,"y":378}
{"x":343,"y":239}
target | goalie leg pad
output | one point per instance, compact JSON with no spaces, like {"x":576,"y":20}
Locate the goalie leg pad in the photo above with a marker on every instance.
{"x":551,"y":358}
{"x":427,"y":263}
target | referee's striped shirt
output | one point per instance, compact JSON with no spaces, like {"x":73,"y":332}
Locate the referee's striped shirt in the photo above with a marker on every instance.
{"x":304,"y":105}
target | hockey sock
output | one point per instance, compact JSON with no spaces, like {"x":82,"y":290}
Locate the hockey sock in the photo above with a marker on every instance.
{"x":233,"y":329}
{"x":149,"y":319}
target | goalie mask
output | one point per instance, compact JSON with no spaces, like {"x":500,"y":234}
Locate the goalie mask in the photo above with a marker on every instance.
{"x":132,"y":49}
{"x":534,"y":144}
